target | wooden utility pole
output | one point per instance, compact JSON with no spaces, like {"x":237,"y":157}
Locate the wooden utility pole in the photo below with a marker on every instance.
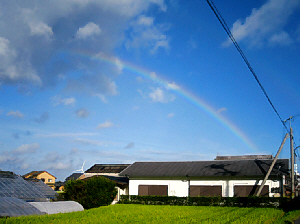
{"x":292,"y":163}
{"x":272,"y":165}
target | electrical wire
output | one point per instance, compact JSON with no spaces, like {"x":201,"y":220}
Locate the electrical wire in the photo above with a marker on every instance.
{"x":227,"y":30}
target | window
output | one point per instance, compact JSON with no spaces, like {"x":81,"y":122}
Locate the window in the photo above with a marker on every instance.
{"x":43,"y":179}
{"x":246,"y":190}
{"x":204,"y":190}
{"x":50,"y":180}
{"x":161,"y":190}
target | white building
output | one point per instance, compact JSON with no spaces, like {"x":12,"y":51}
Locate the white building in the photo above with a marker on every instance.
{"x":226,"y":178}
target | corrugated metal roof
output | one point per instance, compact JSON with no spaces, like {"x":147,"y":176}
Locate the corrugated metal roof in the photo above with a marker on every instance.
{"x":107,"y":168}
{"x":214,"y":168}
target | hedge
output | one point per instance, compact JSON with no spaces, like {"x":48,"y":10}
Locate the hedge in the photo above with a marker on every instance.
{"x":251,"y":201}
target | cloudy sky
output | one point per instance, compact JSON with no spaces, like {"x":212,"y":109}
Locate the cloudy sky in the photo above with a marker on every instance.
{"x":134,"y":80}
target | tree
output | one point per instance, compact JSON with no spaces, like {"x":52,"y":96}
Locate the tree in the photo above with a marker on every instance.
{"x":91,"y":193}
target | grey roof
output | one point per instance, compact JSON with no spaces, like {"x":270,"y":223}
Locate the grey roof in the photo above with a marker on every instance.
{"x":11,"y":207}
{"x":73,"y":176}
{"x":222,"y":168}
{"x":107,"y":168}
{"x":15,"y":186}
{"x":42,"y":187}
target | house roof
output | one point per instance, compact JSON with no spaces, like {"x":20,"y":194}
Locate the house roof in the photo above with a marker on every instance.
{"x":107,"y":168}
{"x":73,"y":176}
{"x":216,"y":168}
{"x":34,"y":174}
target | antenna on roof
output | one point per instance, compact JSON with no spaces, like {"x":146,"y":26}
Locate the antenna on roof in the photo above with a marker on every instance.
{"x":81,"y":170}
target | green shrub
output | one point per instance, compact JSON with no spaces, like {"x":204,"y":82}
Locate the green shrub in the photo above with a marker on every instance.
{"x":251,"y":201}
{"x":91,"y":193}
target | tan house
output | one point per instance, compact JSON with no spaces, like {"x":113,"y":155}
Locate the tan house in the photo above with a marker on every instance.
{"x":46,"y":177}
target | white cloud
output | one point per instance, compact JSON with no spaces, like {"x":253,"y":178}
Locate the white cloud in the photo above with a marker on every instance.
{"x":16,"y":114}
{"x":146,"y":21}
{"x":264,"y":22}
{"x":13,"y":69}
{"x":89,"y":30}
{"x":33,"y":35}
{"x":89,"y":142}
{"x":82,"y":113}
{"x":101,"y":97}
{"x":221,"y":110}
{"x":146,"y":34}
{"x":28,"y":148}
{"x":25,"y":166}
{"x":172,"y":86}
{"x":3,"y":158}
{"x":59,"y":166}
{"x":63,"y":135}
{"x":282,"y":38}
{"x":159,"y":95}
{"x":170,"y":115}
{"x":40,"y":28}
{"x":57,"y":100}
{"x":106,"y":124}
{"x":153,"y":75}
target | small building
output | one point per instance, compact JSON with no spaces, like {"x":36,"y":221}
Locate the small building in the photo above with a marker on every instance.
{"x":46,"y":177}
{"x":226,"y":178}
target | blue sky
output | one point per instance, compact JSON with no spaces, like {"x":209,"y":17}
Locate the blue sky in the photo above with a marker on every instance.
{"x":135,"y":80}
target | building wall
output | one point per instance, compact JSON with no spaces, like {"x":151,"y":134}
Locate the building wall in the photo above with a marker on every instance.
{"x":180,"y":188}
{"x":49,"y":179}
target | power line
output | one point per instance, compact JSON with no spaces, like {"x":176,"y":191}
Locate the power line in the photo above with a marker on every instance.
{"x":227,"y":30}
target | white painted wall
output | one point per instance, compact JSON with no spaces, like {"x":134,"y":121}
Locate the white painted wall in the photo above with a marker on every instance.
{"x":179,"y":188}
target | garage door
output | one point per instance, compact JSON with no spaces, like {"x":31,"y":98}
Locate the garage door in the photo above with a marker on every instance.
{"x":161,"y":190}
{"x":207,"y":191}
{"x":248,"y":190}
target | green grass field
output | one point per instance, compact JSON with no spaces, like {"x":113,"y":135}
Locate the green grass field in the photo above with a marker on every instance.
{"x":122,"y":213}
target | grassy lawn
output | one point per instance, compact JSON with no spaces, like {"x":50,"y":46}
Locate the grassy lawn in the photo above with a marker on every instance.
{"x":164,"y":214}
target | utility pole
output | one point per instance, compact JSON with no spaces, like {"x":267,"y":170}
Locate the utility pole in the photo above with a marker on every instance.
{"x":292,"y":160}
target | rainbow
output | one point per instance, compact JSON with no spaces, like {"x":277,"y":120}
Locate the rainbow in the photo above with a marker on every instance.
{"x":197,"y":101}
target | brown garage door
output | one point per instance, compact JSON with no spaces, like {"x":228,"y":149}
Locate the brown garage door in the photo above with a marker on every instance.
{"x":207,"y":191}
{"x":248,"y":190}
{"x":161,"y":190}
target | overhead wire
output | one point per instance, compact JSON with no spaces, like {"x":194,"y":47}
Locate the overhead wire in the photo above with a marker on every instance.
{"x":227,"y":30}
